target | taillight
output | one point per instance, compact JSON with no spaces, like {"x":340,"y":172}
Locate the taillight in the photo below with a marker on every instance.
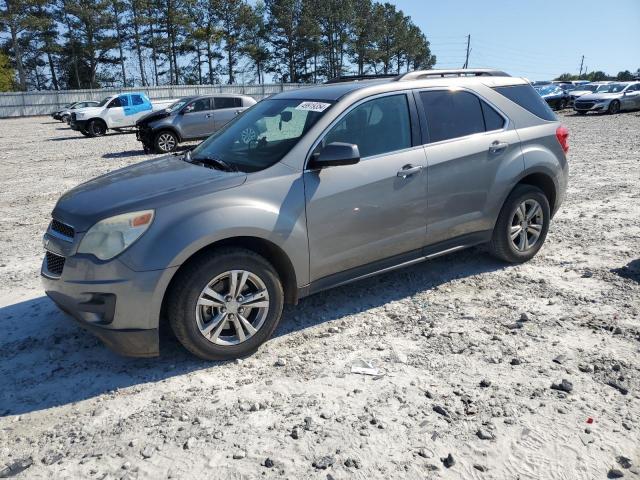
{"x":562,"y":134}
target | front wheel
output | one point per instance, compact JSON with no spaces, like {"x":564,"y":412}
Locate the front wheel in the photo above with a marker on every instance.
{"x":165,"y":142}
{"x":225,"y":304}
{"x":97,"y":128}
{"x":563,"y":104}
{"x":86,"y":132}
{"x":522,"y":225}
{"x":614,"y":107}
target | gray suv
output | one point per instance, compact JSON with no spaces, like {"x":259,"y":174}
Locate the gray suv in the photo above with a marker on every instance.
{"x":343,"y":181}
{"x":190,"y":118}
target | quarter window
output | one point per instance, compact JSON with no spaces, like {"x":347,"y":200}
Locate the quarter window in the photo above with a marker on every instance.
{"x":452,"y":114}
{"x":492,"y":119}
{"x":378,"y":126}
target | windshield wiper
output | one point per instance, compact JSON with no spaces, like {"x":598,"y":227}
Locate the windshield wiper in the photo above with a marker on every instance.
{"x":211,"y":162}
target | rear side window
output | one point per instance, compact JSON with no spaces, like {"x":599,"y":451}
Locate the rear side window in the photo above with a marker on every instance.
{"x":452,"y":114}
{"x":136,"y":100}
{"x":227,"y":102}
{"x":528,"y":98}
{"x":379,"y":126}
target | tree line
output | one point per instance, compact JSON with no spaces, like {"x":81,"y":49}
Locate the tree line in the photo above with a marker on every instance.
{"x":73,"y":44}
{"x":600,"y":76}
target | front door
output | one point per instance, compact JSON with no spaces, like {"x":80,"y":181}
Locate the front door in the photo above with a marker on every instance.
{"x":359,"y":214}
{"x":115,"y":111}
{"x":197,"y":119}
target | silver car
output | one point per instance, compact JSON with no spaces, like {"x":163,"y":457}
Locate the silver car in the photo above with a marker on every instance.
{"x":610,"y":98}
{"x":344,"y":181}
{"x":190,"y":118}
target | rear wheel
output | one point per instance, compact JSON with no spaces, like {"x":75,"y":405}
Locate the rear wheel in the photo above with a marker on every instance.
{"x":226,"y":304}
{"x":614,"y":107}
{"x":563,"y":104}
{"x":97,"y":128}
{"x":522,"y":225}
{"x":165,"y":142}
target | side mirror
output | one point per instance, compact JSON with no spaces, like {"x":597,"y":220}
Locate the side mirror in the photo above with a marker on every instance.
{"x":335,"y":154}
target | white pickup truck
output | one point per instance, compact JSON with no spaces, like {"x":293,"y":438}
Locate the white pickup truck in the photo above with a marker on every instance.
{"x":116,"y":112}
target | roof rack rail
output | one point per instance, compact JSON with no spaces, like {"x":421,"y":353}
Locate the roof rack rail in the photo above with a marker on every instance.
{"x":462,"y":72}
{"x":355,"y":78}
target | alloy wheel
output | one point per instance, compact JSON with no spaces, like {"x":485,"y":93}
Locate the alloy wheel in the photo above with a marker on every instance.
{"x":248,"y":135}
{"x":526,"y":225}
{"x":166,"y":142}
{"x":232,"y":307}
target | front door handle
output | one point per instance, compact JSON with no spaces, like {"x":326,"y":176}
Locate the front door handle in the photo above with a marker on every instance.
{"x":498,"y":147}
{"x":409,"y":170}
{"x":209,"y":115}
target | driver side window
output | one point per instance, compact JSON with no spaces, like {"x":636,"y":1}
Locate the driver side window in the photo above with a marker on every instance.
{"x":378,"y":126}
{"x":115,"y":103}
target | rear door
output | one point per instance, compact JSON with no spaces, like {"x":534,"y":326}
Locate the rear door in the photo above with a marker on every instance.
{"x":469,"y":142}
{"x":358,"y":215}
{"x":197,"y":118}
{"x":226,"y":108}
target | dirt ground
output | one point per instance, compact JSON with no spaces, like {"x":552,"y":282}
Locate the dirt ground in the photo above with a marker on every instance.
{"x":466,"y":350}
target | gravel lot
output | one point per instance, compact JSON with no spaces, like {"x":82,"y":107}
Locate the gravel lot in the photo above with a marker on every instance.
{"x":467,"y":350}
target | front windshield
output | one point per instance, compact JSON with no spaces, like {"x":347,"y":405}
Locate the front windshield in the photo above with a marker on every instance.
{"x":104,"y":102}
{"x":262,"y":135}
{"x":611,"y":88}
{"x":178,"y":105}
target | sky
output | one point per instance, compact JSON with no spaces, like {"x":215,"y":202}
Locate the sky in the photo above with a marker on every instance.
{"x":537,"y":39}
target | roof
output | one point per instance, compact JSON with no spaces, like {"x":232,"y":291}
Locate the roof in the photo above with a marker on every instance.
{"x":335,"y":90}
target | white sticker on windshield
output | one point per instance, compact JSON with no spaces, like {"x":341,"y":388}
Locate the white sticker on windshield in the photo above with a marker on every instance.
{"x":313,"y":106}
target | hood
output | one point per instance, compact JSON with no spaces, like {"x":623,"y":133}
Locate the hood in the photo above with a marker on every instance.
{"x":152,"y":117}
{"x":579,"y":93}
{"x":551,"y":95}
{"x":88,"y":111}
{"x":146,"y":185}
{"x":594,"y":97}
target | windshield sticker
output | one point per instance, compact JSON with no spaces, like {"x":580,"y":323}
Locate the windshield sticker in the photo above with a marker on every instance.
{"x":313,"y":106}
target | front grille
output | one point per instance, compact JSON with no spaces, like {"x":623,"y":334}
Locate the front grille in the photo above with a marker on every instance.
{"x":584,"y":105}
{"x":55,"y":263}
{"x":62,"y":228}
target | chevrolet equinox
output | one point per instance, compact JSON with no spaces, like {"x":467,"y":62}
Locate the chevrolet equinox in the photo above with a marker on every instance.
{"x":340,"y":182}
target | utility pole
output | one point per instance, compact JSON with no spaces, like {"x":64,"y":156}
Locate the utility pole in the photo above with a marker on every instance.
{"x":581,"y":63}
{"x":466,"y":62}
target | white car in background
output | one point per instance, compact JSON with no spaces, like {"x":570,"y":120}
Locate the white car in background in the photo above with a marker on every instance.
{"x":585,"y":89}
{"x":116,"y":112}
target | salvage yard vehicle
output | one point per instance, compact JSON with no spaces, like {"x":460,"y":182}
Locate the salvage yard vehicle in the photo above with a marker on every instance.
{"x":116,"y":112}
{"x":345,"y":181}
{"x":610,"y":98}
{"x":556,"y":97}
{"x":64,"y":114}
{"x":190,"y":118}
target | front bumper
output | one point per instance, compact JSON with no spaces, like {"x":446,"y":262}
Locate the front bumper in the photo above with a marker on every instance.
{"x":117,"y":304}
{"x":78,"y":125}
{"x":145,"y":135}
{"x":590,"y":107}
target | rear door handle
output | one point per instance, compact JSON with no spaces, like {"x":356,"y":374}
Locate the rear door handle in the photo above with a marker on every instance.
{"x":498,"y":147}
{"x":409,"y":170}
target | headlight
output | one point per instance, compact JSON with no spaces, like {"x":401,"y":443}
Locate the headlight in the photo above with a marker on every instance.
{"x":112,"y":236}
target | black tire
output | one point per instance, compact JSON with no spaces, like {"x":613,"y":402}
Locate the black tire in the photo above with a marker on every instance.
{"x":65,"y":119}
{"x":165,"y":141}
{"x":614,"y":107}
{"x":501,"y":245}
{"x":97,"y":127}
{"x":581,"y":112}
{"x":195,"y":276}
{"x":86,"y":132}
{"x":563,"y":104}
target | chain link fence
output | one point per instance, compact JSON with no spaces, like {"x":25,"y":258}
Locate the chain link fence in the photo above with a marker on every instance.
{"x":24,"y":104}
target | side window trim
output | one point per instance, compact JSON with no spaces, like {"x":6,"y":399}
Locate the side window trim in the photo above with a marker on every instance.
{"x":412,"y":122}
{"x":423,"y":116}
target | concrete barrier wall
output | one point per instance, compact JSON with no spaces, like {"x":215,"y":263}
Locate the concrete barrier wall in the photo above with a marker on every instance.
{"x":24,"y":104}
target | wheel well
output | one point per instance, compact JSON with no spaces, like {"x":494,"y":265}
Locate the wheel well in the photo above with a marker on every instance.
{"x":269,"y":250}
{"x":544,"y":183}
{"x":96,"y":119}
{"x":166,"y":129}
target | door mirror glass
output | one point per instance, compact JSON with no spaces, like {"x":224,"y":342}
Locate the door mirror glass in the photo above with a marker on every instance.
{"x":335,"y":154}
